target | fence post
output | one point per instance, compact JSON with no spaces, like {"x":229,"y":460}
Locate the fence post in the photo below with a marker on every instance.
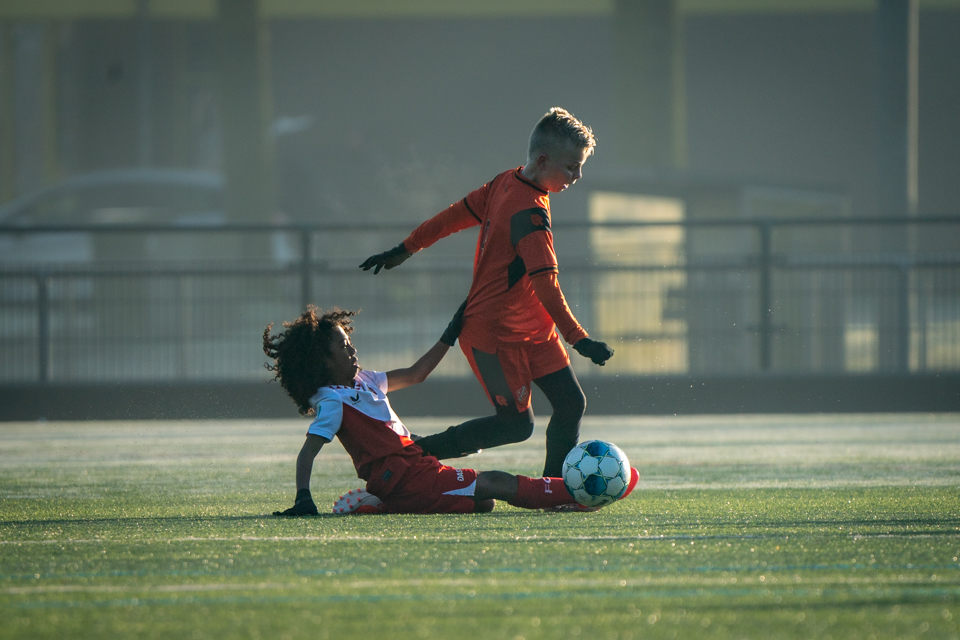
{"x":185,"y":298}
{"x":43,"y":327}
{"x":306,"y":279}
{"x":903,"y":319}
{"x":766,"y":297}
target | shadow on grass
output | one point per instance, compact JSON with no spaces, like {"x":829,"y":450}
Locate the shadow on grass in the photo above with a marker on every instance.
{"x":161,"y":520}
{"x":814,"y":522}
{"x":680,"y":529}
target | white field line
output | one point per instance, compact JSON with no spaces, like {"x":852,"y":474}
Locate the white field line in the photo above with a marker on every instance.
{"x":375,"y":539}
{"x":812,"y":483}
{"x":168,"y":588}
{"x":760,"y":578}
{"x":534,"y":538}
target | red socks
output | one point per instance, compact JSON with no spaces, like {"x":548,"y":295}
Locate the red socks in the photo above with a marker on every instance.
{"x":540,"y":493}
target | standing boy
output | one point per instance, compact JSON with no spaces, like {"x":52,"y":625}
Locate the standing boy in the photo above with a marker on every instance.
{"x":316,"y":364}
{"x":515,"y":306}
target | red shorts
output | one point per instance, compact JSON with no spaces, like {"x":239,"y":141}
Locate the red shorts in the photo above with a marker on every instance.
{"x":508,"y":374}
{"x":431,"y":487}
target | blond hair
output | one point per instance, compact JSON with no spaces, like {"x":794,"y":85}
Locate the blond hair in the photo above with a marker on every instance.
{"x":556,"y":128}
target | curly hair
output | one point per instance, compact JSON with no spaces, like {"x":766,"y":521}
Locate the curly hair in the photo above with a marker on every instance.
{"x":301,"y":351}
{"x":557,"y":127}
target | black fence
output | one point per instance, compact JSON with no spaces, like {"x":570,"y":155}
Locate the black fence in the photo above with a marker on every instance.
{"x":759,"y":297}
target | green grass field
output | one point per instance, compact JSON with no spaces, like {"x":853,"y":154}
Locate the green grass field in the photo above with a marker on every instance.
{"x":742,"y":527}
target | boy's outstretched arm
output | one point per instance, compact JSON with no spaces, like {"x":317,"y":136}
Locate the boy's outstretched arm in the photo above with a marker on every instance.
{"x":303,"y":504}
{"x":403,"y":378}
{"x":456,"y":217}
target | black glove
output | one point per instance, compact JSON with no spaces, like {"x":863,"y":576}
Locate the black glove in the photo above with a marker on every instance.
{"x":302,"y":505}
{"x":597,"y":351}
{"x":386,"y":260}
{"x":450,"y":334}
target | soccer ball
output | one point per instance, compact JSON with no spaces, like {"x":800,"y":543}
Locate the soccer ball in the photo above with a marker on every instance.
{"x":596,"y":473}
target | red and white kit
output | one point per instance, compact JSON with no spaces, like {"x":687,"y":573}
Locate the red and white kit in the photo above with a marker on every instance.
{"x":394,"y":466}
{"x":383,"y":453}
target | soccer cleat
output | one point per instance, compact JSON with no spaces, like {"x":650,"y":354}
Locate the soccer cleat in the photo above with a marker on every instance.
{"x":634,"y":479}
{"x":357,"y":501}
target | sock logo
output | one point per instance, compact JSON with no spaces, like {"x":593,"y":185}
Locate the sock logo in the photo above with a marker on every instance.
{"x":546,"y":486}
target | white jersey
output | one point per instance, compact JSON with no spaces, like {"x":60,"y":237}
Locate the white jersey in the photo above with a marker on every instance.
{"x":361,"y":416}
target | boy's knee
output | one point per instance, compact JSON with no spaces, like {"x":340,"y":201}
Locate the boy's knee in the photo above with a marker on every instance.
{"x":581,"y":403}
{"x":518,"y":426}
{"x":573,"y":405}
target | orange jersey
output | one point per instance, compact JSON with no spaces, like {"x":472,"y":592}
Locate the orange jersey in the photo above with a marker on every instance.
{"x":514,"y":296}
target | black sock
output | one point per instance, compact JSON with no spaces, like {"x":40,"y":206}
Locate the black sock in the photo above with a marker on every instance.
{"x":479,"y":433}
{"x":441,"y":446}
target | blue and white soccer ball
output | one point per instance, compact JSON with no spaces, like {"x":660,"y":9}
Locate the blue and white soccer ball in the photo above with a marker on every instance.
{"x":596,"y":473}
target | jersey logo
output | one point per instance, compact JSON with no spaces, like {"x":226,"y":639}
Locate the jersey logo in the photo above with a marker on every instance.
{"x":483,"y":240}
{"x":355,"y":399}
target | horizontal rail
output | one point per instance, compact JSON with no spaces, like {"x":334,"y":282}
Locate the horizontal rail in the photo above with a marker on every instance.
{"x":902,"y":305}
{"x":319,"y":267}
{"x":409,"y":226}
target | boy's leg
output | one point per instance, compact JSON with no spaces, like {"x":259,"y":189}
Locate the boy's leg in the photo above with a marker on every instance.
{"x":506,"y":427}
{"x":521,"y":491}
{"x":502,"y":376}
{"x":566,"y":397}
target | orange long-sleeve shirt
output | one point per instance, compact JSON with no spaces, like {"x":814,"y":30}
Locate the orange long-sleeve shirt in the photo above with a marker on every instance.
{"x":515,"y":295}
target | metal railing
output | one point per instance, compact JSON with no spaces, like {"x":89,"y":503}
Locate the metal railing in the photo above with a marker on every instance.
{"x":815,"y":296}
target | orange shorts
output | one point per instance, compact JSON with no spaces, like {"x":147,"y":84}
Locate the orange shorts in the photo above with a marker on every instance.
{"x":508,"y":374}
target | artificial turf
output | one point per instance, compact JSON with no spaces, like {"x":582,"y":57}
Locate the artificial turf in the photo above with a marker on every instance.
{"x":836,"y":526}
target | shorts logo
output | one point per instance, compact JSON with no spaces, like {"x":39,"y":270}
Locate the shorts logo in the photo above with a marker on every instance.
{"x":459,"y":475}
{"x":536,"y":220}
{"x":521,"y":393}
{"x":501,"y":401}
{"x":546,"y":486}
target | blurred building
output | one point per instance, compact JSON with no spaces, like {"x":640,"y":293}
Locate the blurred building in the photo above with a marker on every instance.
{"x":386,"y":110}
{"x":376,"y":112}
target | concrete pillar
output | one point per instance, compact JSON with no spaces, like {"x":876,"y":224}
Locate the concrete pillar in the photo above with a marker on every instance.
{"x":649,"y":105}
{"x":245,"y":109}
{"x":144,"y":84}
{"x":50,"y":117}
{"x":896,"y":106}
{"x":896,"y":139}
{"x":8,"y":175}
